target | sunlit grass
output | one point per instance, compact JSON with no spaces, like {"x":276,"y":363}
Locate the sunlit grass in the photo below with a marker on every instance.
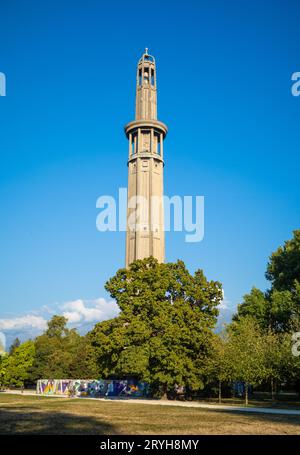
{"x":45,"y":415}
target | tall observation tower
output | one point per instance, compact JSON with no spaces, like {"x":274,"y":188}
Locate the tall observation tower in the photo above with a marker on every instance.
{"x":145,"y":222}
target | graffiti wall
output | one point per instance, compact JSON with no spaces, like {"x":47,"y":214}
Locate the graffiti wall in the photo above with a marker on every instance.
{"x":92,"y":388}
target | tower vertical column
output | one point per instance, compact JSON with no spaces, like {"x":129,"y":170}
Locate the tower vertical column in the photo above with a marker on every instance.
{"x":145,"y":220}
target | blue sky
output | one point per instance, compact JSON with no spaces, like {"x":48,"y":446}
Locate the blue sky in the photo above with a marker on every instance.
{"x":224,"y":90}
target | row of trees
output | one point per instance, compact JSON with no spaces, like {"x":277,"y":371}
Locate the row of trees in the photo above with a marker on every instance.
{"x":57,"y":353}
{"x":276,"y":313}
{"x":246,"y":353}
{"x":165,"y":332}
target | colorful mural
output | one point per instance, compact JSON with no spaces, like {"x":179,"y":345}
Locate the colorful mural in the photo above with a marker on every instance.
{"x":92,"y":387}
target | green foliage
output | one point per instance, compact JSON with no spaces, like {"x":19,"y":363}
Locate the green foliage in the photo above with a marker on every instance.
{"x":219,"y":365}
{"x":283,"y":269}
{"x":256,"y":306}
{"x":2,"y":348}
{"x":57,"y":327}
{"x":2,"y":369}
{"x":15,"y":344}
{"x":15,"y":368}
{"x":62,"y":353}
{"x":83,"y":361}
{"x":278,"y":358}
{"x":246,"y":351}
{"x":164,"y":330}
{"x":284,"y":310}
{"x":279,"y":308}
{"x":58,"y":353}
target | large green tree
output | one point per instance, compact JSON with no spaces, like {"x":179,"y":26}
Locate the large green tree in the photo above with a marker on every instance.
{"x":164,"y":330}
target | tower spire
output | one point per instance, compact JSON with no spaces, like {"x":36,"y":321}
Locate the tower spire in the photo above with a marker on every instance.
{"x":146,"y":103}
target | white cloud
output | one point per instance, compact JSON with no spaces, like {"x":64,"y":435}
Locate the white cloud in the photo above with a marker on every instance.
{"x":81,"y":314}
{"x":224,"y":304}
{"x":22,"y":322}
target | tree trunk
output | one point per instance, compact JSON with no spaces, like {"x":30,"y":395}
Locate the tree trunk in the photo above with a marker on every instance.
{"x":246,"y":393}
{"x":272,"y":389}
{"x":220,"y":392}
{"x":164,"y":394}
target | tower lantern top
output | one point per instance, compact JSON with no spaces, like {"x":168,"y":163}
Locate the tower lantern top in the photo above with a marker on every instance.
{"x":146,"y":57}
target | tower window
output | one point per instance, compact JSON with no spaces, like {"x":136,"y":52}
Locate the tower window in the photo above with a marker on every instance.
{"x":134,"y":143}
{"x":152,"y":76}
{"x":146,"y":76}
{"x":157,"y":140}
{"x":140,"y":77}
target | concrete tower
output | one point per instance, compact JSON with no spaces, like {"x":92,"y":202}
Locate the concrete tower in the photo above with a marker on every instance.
{"x":145,"y":222}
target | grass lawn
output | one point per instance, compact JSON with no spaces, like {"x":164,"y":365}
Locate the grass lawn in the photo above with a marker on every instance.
{"x":46,"y":415}
{"x":265,"y":403}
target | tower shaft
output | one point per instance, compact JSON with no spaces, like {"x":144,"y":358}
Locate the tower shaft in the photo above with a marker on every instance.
{"x":145,"y":223}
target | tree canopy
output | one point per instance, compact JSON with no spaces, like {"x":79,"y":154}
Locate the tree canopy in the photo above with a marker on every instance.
{"x":164,"y":330}
{"x":62,"y":353}
{"x":283,"y":269}
{"x":15,"y":368}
